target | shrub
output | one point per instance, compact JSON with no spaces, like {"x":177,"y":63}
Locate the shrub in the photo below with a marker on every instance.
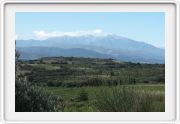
{"x":126,"y":99}
{"x":82,"y":96}
{"x":29,"y":98}
{"x":58,"y":84}
{"x":51,"y":84}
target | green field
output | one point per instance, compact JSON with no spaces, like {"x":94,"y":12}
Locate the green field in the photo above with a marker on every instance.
{"x":71,"y":93}
{"x":93,"y":85}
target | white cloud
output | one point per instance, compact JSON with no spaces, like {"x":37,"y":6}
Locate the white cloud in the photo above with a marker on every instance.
{"x":44,"y":35}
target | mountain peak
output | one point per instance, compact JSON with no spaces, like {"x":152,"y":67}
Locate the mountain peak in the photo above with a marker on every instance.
{"x":117,"y":47}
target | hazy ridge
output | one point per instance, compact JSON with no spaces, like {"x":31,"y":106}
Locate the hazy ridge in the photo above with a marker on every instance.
{"x":110,"y":46}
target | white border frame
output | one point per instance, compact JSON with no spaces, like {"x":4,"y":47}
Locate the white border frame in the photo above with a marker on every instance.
{"x":177,"y":121}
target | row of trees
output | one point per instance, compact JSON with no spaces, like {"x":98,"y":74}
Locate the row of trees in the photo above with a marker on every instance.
{"x":95,"y":81}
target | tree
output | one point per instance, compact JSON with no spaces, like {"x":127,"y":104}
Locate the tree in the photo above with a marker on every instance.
{"x":17,"y":55}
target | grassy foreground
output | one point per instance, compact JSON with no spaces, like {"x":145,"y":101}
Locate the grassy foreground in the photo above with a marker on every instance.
{"x":151,"y":96}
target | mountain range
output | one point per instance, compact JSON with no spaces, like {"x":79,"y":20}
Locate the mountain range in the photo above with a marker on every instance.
{"x":110,"y":46}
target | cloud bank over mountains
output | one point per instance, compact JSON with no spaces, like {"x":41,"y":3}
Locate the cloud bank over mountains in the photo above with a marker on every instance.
{"x":42,"y":35}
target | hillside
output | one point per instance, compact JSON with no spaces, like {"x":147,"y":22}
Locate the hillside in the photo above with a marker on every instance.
{"x":110,"y":46}
{"x":78,"y":71}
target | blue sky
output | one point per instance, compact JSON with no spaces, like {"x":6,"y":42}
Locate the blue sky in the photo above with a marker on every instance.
{"x":148,"y":27}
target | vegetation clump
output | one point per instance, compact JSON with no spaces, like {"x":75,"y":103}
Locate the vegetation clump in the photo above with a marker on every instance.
{"x":29,"y":98}
{"x":82,"y":96}
{"x":32,"y":98}
{"x":127,"y":99}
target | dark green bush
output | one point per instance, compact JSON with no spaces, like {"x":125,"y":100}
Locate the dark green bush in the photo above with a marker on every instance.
{"x":29,"y":98}
{"x":51,"y":84}
{"x":82,"y":96}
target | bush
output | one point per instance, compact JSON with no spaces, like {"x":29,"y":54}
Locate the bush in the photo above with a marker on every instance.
{"x":58,"y":84}
{"x":51,"y":84}
{"x":82,"y":96}
{"x":29,"y":98}
{"x":126,"y":99}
